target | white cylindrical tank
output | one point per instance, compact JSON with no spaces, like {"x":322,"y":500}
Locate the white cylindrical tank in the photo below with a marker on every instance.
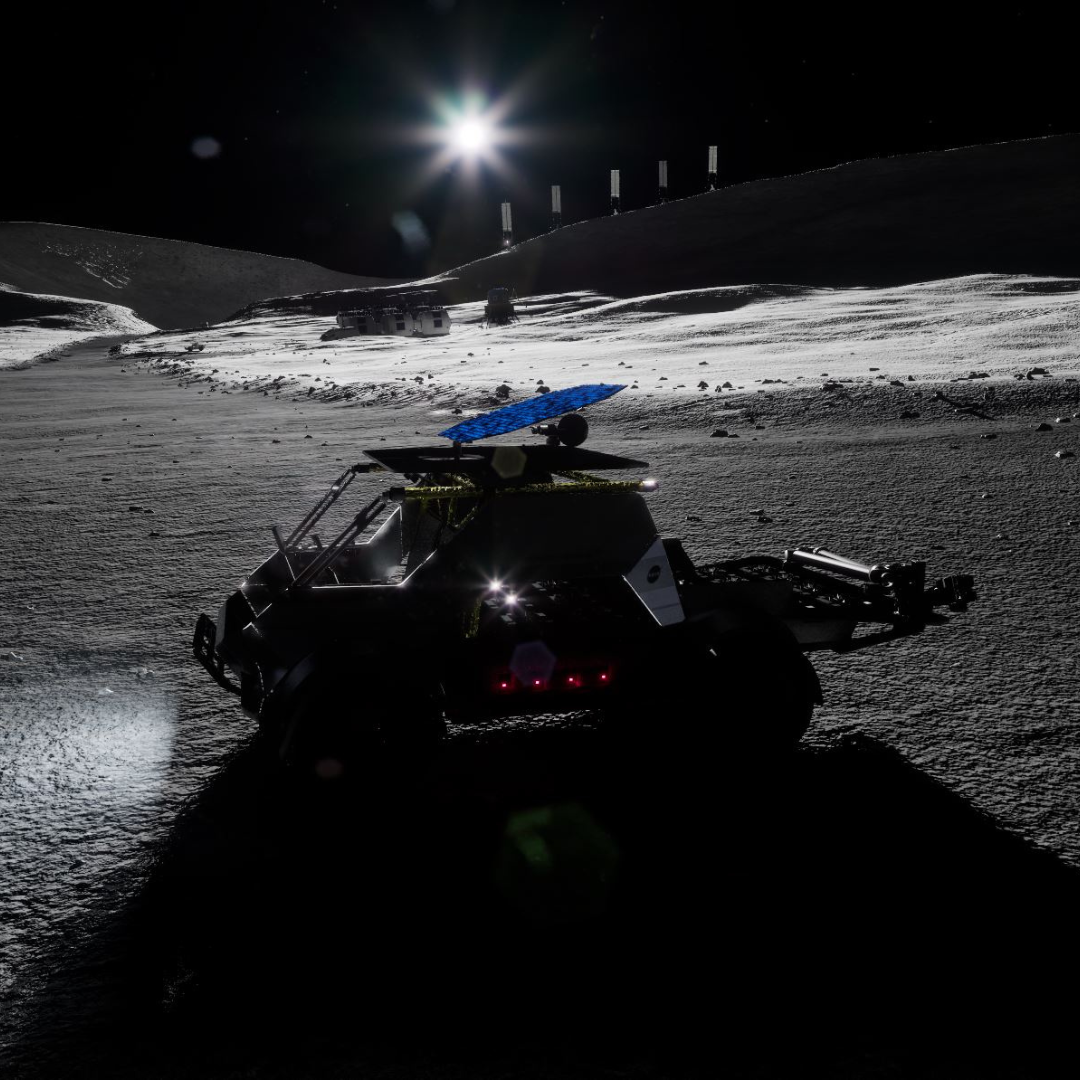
{"x":396,"y":322}
{"x":433,"y":322}
{"x":359,"y":322}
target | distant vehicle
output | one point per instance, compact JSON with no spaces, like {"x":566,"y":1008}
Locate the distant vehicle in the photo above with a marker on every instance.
{"x":503,"y":580}
{"x":412,"y":314}
{"x":499,"y":309}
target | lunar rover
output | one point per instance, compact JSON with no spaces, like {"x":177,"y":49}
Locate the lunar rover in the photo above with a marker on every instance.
{"x":503,"y":580}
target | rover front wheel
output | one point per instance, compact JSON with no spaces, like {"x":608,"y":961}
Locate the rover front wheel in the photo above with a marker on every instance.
{"x":338,"y":718}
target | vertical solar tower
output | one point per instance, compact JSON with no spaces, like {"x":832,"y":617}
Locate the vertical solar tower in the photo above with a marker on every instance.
{"x":663,"y":181}
{"x":556,"y":206}
{"x":507,"y":227}
{"x":712,"y":169}
{"x":615,"y":207}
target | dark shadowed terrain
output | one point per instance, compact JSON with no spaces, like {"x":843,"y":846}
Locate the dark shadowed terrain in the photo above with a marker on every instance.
{"x":169,"y":283}
{"x":570,"y":901}
{"x":1003,"y":208}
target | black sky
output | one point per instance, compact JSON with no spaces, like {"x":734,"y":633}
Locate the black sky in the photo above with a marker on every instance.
{"x":310,"y":101}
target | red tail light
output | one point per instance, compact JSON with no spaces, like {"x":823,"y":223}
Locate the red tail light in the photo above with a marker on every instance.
{"x":589,"y":677}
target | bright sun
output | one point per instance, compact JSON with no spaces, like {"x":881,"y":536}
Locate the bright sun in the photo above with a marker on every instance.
{"x":471,"y":135}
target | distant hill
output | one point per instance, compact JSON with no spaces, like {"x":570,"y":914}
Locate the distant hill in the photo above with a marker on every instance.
{"x":1000,"y":208}
{"x":64,"y":313}
{"x":170,"y":283}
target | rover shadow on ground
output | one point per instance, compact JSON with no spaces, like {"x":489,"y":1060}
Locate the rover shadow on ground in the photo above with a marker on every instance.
{"x":566,"y":886}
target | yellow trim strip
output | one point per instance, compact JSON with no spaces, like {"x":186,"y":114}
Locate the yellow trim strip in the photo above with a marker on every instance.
{"x":579,"y":488}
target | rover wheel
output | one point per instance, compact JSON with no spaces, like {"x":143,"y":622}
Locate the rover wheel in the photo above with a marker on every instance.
{"x":338,"y":718}
{"x":738,"y":688}
{"x":762,"y":688}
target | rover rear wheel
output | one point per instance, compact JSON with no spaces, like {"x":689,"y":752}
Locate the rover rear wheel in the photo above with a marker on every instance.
{"x":744,"y":688}
{"x":763,"y":687}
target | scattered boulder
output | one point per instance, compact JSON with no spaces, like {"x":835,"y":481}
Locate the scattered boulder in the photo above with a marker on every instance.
{"x":727,"y":386}
{"x":542,"y":389}
{"x":1044,"y":427}
{"x":988,"y":435}
{"x":502,"y":391}
{"x":1037,"y":371}
{"x":719,"y":433}
{"x":1064,"y":420}
{"x":1064,"y":454}
{"x":909,"y":414}
{"x":703,"y":385}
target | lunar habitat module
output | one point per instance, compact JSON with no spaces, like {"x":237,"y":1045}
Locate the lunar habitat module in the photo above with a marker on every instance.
{"x":498,"y":580}
{"x":413,"y":314}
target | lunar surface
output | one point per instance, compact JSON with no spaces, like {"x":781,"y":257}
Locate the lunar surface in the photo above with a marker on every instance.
{"x":141,"y":486}
{"x":551,"y":897}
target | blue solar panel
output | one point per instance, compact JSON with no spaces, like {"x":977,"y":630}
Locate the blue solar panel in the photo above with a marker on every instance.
{"x":534,"y":411}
